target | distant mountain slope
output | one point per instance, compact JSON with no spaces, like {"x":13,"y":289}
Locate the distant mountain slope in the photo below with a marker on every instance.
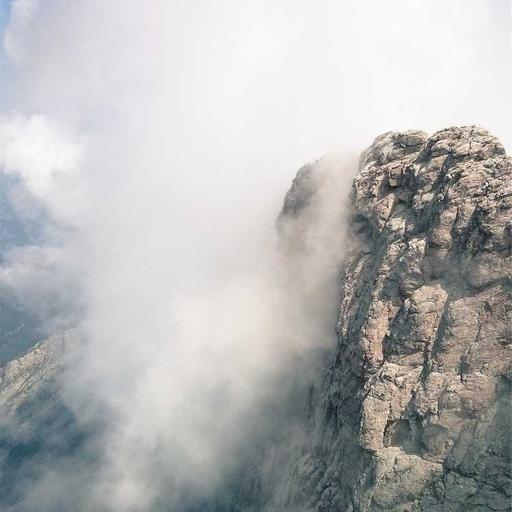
{"x":38,"y":432}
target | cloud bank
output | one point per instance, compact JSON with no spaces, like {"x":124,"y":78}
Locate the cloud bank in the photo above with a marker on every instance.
{"x":161,"y":138}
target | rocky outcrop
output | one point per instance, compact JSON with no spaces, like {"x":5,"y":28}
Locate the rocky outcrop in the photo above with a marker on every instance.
{"x":22,"y":378}
{"x":414,"y":414}
{"x":38,"y":432}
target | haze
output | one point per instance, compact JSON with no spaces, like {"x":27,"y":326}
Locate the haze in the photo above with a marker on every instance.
{"x":161,"y":138}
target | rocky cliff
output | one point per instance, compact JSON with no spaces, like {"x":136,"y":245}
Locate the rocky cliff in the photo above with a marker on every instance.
{"x":413,"y":410}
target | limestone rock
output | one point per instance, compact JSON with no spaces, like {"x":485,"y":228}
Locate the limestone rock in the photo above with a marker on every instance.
{"x":414,"y":414}
{"x":21,"y":377}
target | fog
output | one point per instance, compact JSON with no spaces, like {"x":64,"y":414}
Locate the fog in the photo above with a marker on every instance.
{"x":160,"y":138}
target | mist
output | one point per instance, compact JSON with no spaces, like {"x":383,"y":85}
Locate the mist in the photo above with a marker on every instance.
{"x":159,"y":139}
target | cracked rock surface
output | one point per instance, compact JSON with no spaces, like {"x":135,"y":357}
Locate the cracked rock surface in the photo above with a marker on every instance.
{"x":414,"y":414}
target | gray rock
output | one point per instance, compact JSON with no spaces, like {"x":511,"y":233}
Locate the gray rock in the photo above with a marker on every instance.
{"x":414,"y":414}
{"x":21,"y":378}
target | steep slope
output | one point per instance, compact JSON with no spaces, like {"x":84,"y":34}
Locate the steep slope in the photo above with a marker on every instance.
{"x":38,"y":433}
{"x":415,"y":411}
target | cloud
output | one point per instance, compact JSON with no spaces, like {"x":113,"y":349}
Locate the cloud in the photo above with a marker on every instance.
{"x":21,"y":16}
{"x":164,"y":136}
{"x":44,"y":284}
{"x":46,"y":158}
{"x":42,"y":202}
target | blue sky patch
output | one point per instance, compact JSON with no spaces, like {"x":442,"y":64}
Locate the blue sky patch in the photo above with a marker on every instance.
{"x":5,"y":9}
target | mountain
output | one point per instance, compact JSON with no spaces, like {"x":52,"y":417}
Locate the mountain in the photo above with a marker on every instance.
{"x":412,"y":410}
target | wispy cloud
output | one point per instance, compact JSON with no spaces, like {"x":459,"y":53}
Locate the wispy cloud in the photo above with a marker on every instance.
{"x":163,"y":135}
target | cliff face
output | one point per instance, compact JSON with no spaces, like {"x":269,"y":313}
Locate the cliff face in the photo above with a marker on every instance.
{"x":415,"y":411}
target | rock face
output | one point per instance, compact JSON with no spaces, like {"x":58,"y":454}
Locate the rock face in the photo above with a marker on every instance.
{"x":37,"y":431}
{"x":414,"y":414}
{"x":21,"y":378}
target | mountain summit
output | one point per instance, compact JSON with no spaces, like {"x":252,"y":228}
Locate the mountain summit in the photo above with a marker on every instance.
{"x":414,"y":413}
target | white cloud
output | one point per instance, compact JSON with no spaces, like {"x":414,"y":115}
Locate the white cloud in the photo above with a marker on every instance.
{"x":196,"y":115}
{"x":46,"y":158}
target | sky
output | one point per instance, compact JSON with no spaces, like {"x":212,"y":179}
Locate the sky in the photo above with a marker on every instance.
{"x":162,"y":136}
